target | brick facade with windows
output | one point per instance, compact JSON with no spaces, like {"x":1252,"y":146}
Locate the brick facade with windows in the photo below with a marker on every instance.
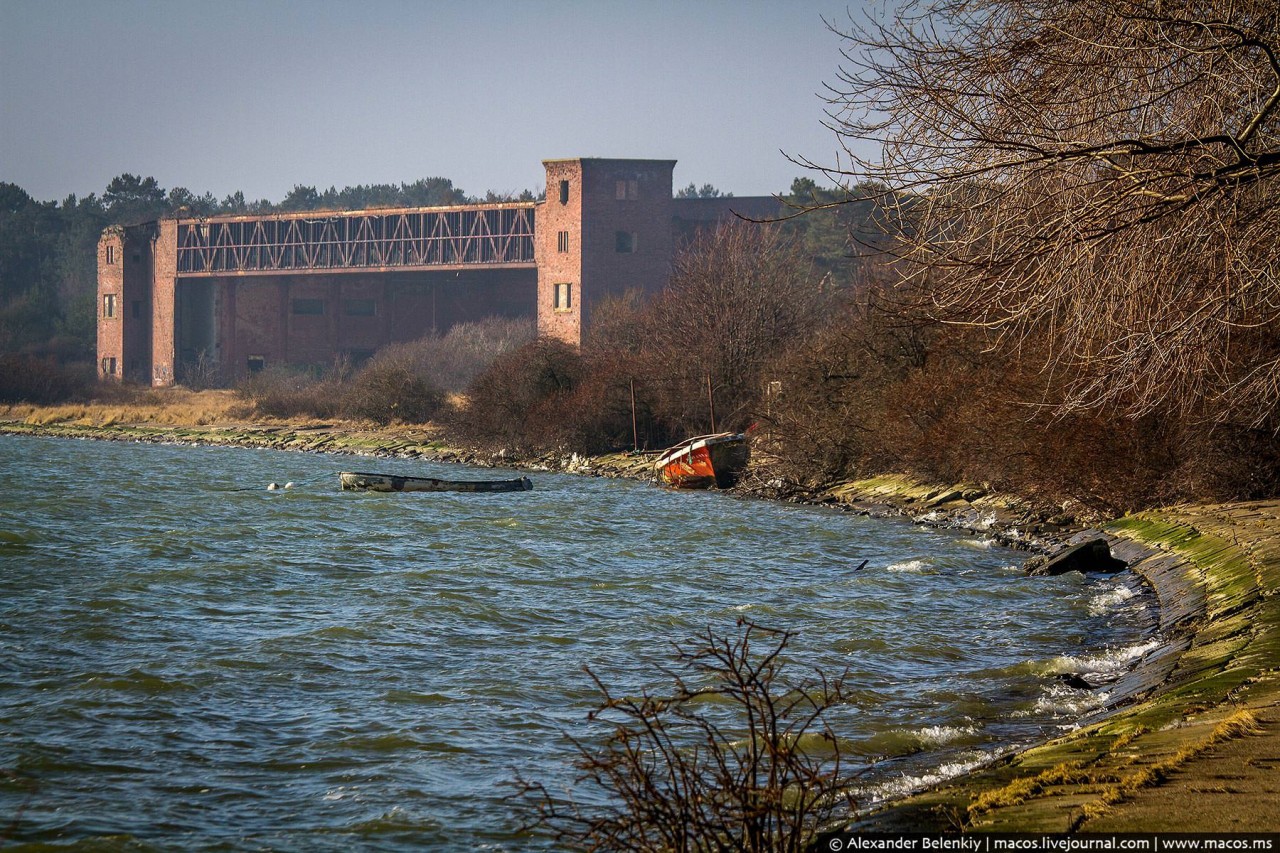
{"x":124,"y":303}
{"x":607,"y":226}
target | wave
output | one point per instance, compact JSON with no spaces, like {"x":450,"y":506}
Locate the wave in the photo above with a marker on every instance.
{"x":1105,"y":602}
{"x":896,"y":743}
{"x":1108,"y":664}
{"x":909,"y":784}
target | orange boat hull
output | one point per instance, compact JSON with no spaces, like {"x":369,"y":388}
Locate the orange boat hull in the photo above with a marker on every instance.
{"x":705,"y":462}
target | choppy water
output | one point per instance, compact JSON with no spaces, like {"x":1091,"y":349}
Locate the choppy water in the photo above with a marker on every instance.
{"x":184,"y":665}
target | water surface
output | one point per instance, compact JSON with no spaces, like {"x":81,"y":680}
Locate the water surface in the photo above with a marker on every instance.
{"x":188,"y":660}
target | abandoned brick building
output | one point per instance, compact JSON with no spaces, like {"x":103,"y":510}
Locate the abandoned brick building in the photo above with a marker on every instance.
{"x":241,"y":293}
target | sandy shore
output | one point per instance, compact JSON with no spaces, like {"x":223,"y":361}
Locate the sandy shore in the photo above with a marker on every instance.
{"x":1197,"y":744}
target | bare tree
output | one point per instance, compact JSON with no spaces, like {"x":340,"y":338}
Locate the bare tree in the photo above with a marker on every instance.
{"x":739,"y":295}
{"x":1100,"y":173}
{"x":736,"y":758}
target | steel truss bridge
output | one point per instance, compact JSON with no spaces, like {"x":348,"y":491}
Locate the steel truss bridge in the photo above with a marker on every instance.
{"x":492,"y":235}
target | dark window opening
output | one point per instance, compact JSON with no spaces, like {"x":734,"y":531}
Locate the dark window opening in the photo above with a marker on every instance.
{"x":564,"y":192}
{"x":111,"y":254}
{"x":108,"y":366}
{"x":625,"y":242}
{"x":562,"y":241}
{"x":108,"y":305}
{"x":309,"y":307}
{"x":256,"y":364}
{"x":360,"y":307}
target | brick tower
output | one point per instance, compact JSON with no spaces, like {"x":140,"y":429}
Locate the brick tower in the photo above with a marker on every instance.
{"x":605,"y":229}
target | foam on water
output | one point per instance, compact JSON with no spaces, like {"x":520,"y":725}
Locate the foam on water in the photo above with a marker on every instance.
{"x":1107,"y":601}
{"x":914,"y":567}
{"x":905,"y":784}
{"x":1105,"y":664}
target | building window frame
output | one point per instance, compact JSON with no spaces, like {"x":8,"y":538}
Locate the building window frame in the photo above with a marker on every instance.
{"x":563,"y":297}
{"x":625,"y":242}
{"x":111,"y":254}
{"x":564,"y":192}
{"x":109,"y":365}
{"x":109,"y":305}
{"x":562,"y":241}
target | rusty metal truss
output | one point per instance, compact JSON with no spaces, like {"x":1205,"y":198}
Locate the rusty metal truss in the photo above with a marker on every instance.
{"x":488,"y":235}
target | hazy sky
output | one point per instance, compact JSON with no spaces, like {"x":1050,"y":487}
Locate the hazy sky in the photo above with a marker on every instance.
{"x":225,"y":95}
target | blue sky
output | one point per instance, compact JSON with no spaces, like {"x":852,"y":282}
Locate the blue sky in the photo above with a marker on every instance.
{"x":225,"y":95}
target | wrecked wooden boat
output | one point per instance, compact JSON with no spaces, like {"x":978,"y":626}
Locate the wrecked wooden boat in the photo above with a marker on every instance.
{"x":356,"y":481}
{"x":705,"y":461}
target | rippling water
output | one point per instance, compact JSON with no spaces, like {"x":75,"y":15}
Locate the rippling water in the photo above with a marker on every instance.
{"x":189,"y":660}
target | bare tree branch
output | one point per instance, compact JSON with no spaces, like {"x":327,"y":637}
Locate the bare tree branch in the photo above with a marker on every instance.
{"x":1104,"y":173}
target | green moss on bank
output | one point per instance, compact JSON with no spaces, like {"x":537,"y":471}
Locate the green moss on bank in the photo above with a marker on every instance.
{"x":1215,"y":689}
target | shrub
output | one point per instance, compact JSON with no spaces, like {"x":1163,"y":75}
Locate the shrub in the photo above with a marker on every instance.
{"x":388,"y":390}
{"x":516,"y":401}
{"x":739,"y":296}
{"x":27,"y":379}
{"x":281,"y":392}
{"x":453,"y":360}
{"x":736,"y":757}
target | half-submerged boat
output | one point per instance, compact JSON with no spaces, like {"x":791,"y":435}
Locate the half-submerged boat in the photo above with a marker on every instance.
{"x":705,"y":461}
{"x":396,"y":483}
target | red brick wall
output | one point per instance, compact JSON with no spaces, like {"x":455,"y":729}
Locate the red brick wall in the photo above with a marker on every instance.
{"x":124,"y":273}
{"x":556,"y":267}
{"x":257,"y":318}
{"x":644,"y":214}
{"x":253,"y":316}
{"x":163,"y":296}
{"x":111,"y":283}
{"x":136,"y":310}
{"x":605,"y":197}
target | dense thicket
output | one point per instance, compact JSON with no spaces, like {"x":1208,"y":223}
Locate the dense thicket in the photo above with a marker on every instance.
{"x":841,"y":380}
{"x":1101,"y":176}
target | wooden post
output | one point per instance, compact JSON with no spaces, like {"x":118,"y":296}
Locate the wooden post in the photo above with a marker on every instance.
{"x":635,"y":434}
{"x":711,"y":403}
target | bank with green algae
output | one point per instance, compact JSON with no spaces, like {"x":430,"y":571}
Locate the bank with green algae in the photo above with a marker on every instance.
{"x":1193,"y":748}
{"x":1196,"y":747}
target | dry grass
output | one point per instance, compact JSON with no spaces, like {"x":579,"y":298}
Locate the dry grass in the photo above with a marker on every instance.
{"x":1240,"y":724}
{"x":168,"y":406}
